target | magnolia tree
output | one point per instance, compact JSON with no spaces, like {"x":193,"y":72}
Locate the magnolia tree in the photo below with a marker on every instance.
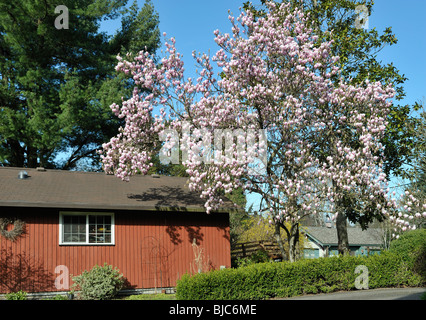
{"x":271,"y":122}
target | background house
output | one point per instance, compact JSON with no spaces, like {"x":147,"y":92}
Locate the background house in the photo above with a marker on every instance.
{"x":153,"y":229}
{"x":322,"y":241}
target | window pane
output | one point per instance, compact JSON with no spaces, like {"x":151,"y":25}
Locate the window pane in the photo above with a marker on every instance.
{"x":92,"y":238}
{"x":99,"y":230}
{"x":82,"y":228}
{"x":74,"y":228}
{"x":67,"y":228}
{"x":107,"y":238}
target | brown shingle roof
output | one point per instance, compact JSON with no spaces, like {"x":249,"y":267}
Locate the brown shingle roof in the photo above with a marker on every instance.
{"x":88,"y":190}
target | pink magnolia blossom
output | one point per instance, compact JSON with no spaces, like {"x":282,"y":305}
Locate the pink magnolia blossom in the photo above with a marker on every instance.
{"x":407,"y":214}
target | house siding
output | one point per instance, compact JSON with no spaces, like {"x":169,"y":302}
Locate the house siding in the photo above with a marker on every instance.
{"x":152,"y":249}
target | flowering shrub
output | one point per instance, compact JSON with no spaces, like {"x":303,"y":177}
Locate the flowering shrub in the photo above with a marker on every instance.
{"x":100,"y":283}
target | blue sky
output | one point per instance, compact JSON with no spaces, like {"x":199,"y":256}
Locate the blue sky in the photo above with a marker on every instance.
{"x":191,"y":23}
{"x":408,"y":21}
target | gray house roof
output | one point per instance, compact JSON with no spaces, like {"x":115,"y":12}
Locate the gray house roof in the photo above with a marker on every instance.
{"x":356,"y":236}
{"x":89,"y":190}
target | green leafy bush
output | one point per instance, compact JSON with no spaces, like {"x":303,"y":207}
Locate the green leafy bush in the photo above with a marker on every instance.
{"x":411,"y":246}
{"x":20,"y":295}
{"x":310,"y":276}
{"x":409,"y":242}
{"x":100,"y":283}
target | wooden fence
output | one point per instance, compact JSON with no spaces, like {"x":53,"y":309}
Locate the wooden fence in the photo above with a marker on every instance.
{"x":246,"y":249}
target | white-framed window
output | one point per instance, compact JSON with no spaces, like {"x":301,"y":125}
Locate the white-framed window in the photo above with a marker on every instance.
{"x":86,"y":228}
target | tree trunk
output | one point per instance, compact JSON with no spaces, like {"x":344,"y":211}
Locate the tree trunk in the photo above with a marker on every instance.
{"x":32,"y":158}
{"x":277,"y":235}
{"x":292,"y":239}
{"x":17,"y":157}
{"x":293,"y":243}
{"x":342,"y":234}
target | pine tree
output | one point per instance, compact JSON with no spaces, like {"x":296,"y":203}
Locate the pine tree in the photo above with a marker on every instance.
{"x":56,"y":85}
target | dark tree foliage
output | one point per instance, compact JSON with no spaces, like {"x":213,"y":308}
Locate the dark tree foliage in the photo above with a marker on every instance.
{"x":56,"y":85}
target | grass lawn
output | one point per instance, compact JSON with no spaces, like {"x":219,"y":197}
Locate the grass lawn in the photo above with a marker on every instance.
{"x":159,"y":296}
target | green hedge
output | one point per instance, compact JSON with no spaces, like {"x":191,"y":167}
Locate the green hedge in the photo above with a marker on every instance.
{"x":393,"y":268}
{"x":412,"y":247}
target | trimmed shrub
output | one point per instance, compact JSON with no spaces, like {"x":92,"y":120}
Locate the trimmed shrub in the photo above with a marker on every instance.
{"x":285,"y":279}
{"x":100,"y":283}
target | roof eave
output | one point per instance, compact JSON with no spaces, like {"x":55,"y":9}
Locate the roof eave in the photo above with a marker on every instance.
{"x":82,"y":206}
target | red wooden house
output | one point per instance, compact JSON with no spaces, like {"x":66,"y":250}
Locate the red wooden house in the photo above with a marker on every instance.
{"x":153,"y":229}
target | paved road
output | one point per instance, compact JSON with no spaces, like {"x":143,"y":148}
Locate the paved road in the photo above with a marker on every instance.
{"x":372,"y":294}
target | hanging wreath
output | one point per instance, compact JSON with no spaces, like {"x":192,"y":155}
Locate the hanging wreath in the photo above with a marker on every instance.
{"x":18,"y":228}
